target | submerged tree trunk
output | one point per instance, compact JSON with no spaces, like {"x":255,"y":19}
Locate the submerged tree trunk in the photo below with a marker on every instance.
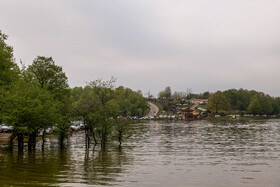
{"x":43,"y":139}
{"x":100,"y":137}
{"x":104,"y":139}
{"x":93,"y":135}
{"x":87,"y":139}
{"x":32,"y":141}
{"x":11,"y":139}
{"x":20,"y":142}
{"x":61,"y":138}
{"x":120,"y":137}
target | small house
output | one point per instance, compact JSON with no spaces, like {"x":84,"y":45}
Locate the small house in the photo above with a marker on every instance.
{"x":187,"y":114}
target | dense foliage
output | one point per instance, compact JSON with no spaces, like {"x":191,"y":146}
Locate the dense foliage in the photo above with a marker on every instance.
{"x":246,"y":101}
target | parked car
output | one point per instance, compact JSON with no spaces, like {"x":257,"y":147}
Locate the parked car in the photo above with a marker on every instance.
{"x":6,"y":128}
{"x":75,"y":127}
{"x":82,"y":126}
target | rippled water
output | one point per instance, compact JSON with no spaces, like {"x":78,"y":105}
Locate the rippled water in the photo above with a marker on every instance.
{"x":157,"y":154}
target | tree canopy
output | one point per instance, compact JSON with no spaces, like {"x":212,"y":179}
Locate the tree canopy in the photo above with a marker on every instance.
{"x":47,"y":74}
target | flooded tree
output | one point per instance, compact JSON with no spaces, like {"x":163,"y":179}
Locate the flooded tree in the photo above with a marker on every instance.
{"x":104,"y":108}
{"x":48,"y":76}
{"x":86,"y":107}
{"x":28,"y":109}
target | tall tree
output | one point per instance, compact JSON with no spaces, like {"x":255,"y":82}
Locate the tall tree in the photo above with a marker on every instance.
{"x":47,"y":75}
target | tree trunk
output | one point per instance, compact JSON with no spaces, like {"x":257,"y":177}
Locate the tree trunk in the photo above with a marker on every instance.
{"x":32,"y":142}
{"x":43,"y":139}
{"x":100,"y":137}
{"x":120,"y":137}
{"x":11,"y":139}
{"x":20,"y":142}
{"x":93,"y":135}
{"x":87,"y":140}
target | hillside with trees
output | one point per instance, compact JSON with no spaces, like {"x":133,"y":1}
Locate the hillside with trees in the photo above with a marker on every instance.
{"x":231,"y":101}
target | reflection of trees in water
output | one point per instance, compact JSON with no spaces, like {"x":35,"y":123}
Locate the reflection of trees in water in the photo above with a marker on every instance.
{"x":32,"y":168}
{"x":103,"y":166}
{"x":52,"y":168}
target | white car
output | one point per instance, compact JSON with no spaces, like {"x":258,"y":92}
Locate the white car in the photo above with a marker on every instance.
{"x":82,"y":126}
{"x":75,"y":127}
{"x":6,"y":128}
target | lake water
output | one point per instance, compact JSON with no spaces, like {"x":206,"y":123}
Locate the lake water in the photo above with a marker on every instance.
{"x":159,"y":153}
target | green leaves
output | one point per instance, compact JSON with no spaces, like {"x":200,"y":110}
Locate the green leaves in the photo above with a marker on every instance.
{"x":28,"y":106}
{"x":8,"y":69}
{"x":255,"y":105}
{"x":47,"y":75}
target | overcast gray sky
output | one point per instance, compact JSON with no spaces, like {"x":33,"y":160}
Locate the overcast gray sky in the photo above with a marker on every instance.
{"x":206,"y":45}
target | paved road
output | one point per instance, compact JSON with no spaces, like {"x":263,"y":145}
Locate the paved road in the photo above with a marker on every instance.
{"x":196,"y":104}
{"x":153,"y":109}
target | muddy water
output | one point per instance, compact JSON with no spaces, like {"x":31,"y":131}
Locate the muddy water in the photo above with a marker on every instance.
{"x":157,"y":154}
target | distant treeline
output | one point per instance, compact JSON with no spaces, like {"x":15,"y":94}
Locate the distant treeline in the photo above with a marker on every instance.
{"x":232,"y":100}
{"x":249,"y":101}
{"x":38,"y":97}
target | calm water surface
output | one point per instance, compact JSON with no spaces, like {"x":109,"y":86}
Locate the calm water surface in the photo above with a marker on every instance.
{"x":157,"y":154}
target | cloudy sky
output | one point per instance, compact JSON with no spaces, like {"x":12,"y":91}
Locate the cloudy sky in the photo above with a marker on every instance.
{"x":205,"y":45}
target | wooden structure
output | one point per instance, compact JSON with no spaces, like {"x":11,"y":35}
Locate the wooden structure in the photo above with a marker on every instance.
{"x":187,"y":114}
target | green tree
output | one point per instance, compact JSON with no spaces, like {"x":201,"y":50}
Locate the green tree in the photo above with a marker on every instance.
{"x":9,"y":71}
{"x":166,"y":93}
{"x":266,"y":103}
{"x":232,"y":96}
{"x":28,"y":109}
{"x":126,"y":103}
{"x":87,"y":107}
{"x":76,"y":93}
{"x":47,"y":75}
{"x":217,"y":102}
{"x":255,"y":105}
{"x":276,"y":107}
{"x":104,"y":91}
{"x":206,"y":95}
{"x":244,"y":98}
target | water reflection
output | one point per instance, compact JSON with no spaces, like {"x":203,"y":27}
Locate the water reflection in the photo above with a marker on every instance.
{"x":160,"y":153}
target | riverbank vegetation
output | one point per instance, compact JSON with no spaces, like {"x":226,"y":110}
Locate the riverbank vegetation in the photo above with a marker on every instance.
{"x":38,"y":97}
